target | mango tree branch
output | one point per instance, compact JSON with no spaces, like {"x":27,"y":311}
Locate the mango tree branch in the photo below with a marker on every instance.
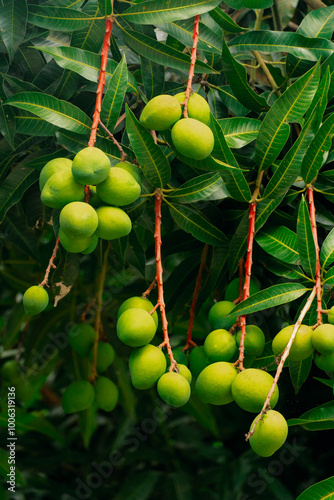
{"x":192,"y":66}
{"x":318,"y":267}
{"x":51,"y":264}
{"x":117,"y":144}
{"x":283,"y":357}
{"x":190,"y":342}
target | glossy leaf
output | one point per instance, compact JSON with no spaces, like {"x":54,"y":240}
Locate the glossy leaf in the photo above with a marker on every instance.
{"x":318,"y":23}
{"x":192,"y":222}
{"x":236,"y":76}
{"x":14,"y":187}
{"x":29,"y":124}
{"x":150,"y":156}
{"x":221,"y":151}
{"x":324,"y":490}
{"x":105,"y":7}
{"x":235,"y":181}
{"x":329,"y":277}
{"x":250,"y":4}
{"x":270,"y":297}
{"x":318,"y":419}
{"x":161,"y":11}
{"x":231,"y":102}
{"x":197,"y":189}
{"x":13,"y":20}
{"x":317,"y":152}
{"x":311,"y":49}
{"x":290,"y":107}
{"x":58,"y":18}
{"x":280,"y":242}
{"x":239,"y":132}
{"x":286,"y":270}
{"x":114,"y":96}
{"x":306,"y":246}
{"x":153,"y":76}
{"x":327,"y":250}
{"x":225,"y":21}
{"x":60,"y":113}
{"x":7,"y":124}
{"x":299,"y":372}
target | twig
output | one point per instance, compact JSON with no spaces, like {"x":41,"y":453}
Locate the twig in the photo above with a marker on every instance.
{"x":285,"y":354}
{"x":266,"y":71}
{"x":159,"y":280}
{"x":241,"y":278}
{"x":51,"y":264}
{"x":87,"y":309}
{"x":192,"y":66}
{"x":318,"y":267}
{"x":115,"y":141}
{"x":150,"y":288}
{"x":190,"y":342}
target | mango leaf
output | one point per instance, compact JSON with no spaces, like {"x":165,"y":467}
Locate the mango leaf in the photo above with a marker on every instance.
{"x":329,"y":277}
{"x":183,"y":31}
{"x":60,"y":113}
{"x":160,"y":53}
{"x":286,"y":270}
{"x":7,"y":124}
{"x":87,"y":423}
{"x":280,"y":242}
{"x":289,"y":107}
{"x":317,"y":152}
{"x":235,"y":181}
{"x":197,"y":189}
{"x":29,"y":124}
{"x":65,"y":275}
{"x":327,"y":250}
{"x":14,"y":187}
{"x":225,"y":21}
{"x":290,"y":166}
{"x":250,"y":4}
{"x":153,"y":76}
{"x":58,"y":18}
{"x":231,"y":102}
{"x":299,"y":372}
{"x":13,"y":22}
{"x":318,"y":419}
{"x":306,"y":246}
{"x":195,"y":224}
{"x":221,"y":151}
{"x":324,"y":490}
{"x":236,"y":76}
{"x":311,"y":49}
{"x":161,"y":11}
{"x":114,"y":96}
{"x":326,"y":381}
{"x":270,"y":297}
{"x":239,"y":132}
{"x":150,"y":156}
{"x":105,"y":7}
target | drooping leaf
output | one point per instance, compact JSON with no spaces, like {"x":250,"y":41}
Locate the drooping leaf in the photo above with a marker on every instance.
{"x":197,"y":189}
{"x":231,"y":102}
{"x":60,"y":113}
{"x":306,"y":246}
{"x":225,"y":21}
{"x":194,"y":223}
{"x":114,"y":96}
{"x":221,"y":151}
{"x":299,"y":372}
{"x":290,"y":107}
{"x":65,"y":275}
{"x":161,"y":11}
{"x":324,"y":490}
{"x":239,"y":132}
{"x":327,"y":250}
{"x":150,"y":156}
{"x":236,"y":76}
{"x":14,"y":187}
{"x":13,"y":20}
{"x":235,"y":181}
{"x":318,"y":419}
{"x":280,"y":242}
{"x":58,"y":18}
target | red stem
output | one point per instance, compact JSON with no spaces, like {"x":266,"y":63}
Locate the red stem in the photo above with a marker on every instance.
{"x":150,"y":288}
{"x":102,"y":78}
{"x":51,"y":264}
{"x":192,"y":66}
{"x":248,"y":272}
{"x":318,"y":268}
{"x":159,"y":279}
{"x":190,"y":342}
{"x":117,"y":144}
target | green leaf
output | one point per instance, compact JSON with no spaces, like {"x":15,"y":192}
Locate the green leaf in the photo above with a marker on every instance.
{"x":87,"y":423}
{"x":65,"y":275}
{"x":327,"y":250}
{"x":235,"y":181}
{"x":197,"y":189}
{"x":329,"y":277}
{"x":60,"y":113}
{"x":239,"y":132}
{"x":150,"y":156}
{"x":236,"y":76}
{"x":225,"y":21}
{"x":286,"y":270}
{"x":270,"y":297}
{"x":221,"y":151}
{"x":299,"y":372}
{"x":250,"y":4}
{"x":318,"y":23}
{"x":231,"y":102}
{"x":318,"y":419}
{"x":311,"y":49}
{"x":114,"y":96}
{"x":105,"y":7}
{"x":29,"y":124}
{"x":306,"y":246}
{"x":326,"y":381}
{"x":183,"y":31}
{"x":153,"y":76}
{"x":13,"y":20}
{"x":7,"y":125}
{"x":324,"y":490}
{"x":280,"y":242}
{"x":14,"y":187}
{"x":289,"y":107}
{"x":162,"y":11}
{"x":161,"y":53}
{"x":58,"y":18}
{"x":317,"y":152}
{"x":195,"y":224}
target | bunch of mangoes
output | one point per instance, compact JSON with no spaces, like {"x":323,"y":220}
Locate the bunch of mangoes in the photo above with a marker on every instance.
{"x":191,"y":136}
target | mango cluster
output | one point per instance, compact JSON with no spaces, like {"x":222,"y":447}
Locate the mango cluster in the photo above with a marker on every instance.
{"x":191,"y":136}
{"x":136,"y":327}
{"x":81,"y":394}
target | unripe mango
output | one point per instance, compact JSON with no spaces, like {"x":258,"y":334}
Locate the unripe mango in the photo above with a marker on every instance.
{"x":198,"y":360}
{"x":35,"y":300}
{"x":214,"y":383}
{"x":132,"y":169}
{"x":141,"y":303}
{"x":174,"y":389}
{"x":78,"y":396}
{"x":254,"y":341}
{"x":301,"y":348}
{"x":198,"y":108}
{"x":136,"y":327}
{"x":78,"y":220}
{"x":74,"y":244}
{"x":250,"y":389}
{"x":217,"y":315}
{"x":90,"y":166}
{"x":147,"y":364}
{"x":92,"y":245}
{"x":52,"y":167}
{"x":192,"y":138}
{"x":60,"y":189}
{"x":113,"y":223}
{"x":119,"y":188}
{"x":106,"y":394}
{"x":105,"y":356}
{"x":325,"y":362}
{"x":161,"y":112}
{"x":220,"y":345}
{"x":81,"y":338}
{"x":323,"y":338}
{"x":270,"y":434}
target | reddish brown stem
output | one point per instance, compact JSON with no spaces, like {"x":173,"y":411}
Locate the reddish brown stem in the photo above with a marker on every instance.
{"x":190,"y":342}
{"x":150,"y":288}
{"x":192,"y":66}
{"x":159,"y":279}
{"x":248,"y":272}
{"x":51,"y":264}
{"x":117,"y":144}
{"x":241,"y":279}
{"x":102,"y":77}
{"x":318,"y":267}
